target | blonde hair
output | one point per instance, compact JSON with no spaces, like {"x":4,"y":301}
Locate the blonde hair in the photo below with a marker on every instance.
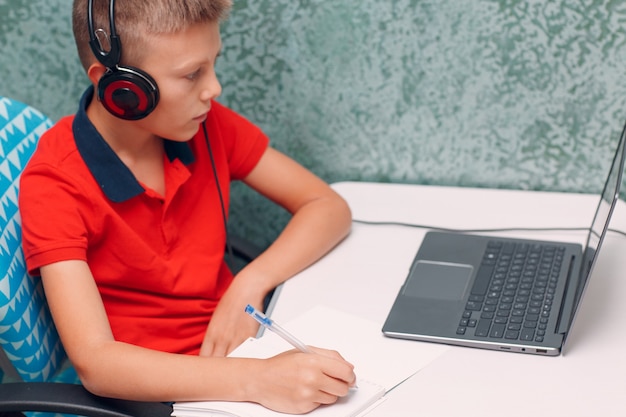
{"x":136,"y":20}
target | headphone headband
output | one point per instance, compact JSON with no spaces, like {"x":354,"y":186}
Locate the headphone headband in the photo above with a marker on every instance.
{"x":110,"y":58}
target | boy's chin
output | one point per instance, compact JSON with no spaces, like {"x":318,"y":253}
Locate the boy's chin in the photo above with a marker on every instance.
{"x":183,"y":136}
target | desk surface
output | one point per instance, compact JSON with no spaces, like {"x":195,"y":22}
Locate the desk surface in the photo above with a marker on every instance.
{"x":363,"y":274}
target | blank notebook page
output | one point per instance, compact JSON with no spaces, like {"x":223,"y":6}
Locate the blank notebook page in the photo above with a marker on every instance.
{"x":380,"y":363}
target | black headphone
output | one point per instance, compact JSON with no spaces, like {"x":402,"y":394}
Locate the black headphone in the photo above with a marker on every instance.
{"x":126,"y":92}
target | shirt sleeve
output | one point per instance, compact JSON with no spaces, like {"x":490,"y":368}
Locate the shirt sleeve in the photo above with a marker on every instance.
{"x":47,"y":195}
{"x":244,"y":143}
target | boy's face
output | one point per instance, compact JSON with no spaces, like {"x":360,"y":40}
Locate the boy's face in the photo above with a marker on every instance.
{"x":183,"y":66}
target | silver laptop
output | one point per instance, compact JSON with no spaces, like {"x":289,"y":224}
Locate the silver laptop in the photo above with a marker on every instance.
{"x":498,"y":293}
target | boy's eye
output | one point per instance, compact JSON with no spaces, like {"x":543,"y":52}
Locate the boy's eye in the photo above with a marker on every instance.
{"x":193,"y":75}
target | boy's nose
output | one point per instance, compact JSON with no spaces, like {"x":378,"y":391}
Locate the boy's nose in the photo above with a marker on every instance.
{"x":213,"y":89}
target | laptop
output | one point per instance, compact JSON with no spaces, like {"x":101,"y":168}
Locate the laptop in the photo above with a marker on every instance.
{"x":504,"y":294}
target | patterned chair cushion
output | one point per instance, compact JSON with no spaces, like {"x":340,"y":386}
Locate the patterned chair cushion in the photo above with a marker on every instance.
{"x":27,"y":333}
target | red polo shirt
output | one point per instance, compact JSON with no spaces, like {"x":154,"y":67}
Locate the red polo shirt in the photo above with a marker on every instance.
{"x":158,"y":261}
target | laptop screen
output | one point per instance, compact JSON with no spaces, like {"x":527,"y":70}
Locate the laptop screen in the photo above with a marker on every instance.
{"x":600,"y":224}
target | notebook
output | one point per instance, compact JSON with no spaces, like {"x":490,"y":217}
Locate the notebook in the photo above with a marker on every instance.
{"x":504,"y":294}
{"x":353,"y":405}
{"x":380,"y":363}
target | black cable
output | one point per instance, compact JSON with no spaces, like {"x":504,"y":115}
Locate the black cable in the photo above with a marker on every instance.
{"x":219,"y":193}
{"x":504,"y":229}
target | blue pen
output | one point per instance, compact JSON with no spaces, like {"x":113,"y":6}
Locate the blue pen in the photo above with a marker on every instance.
{"x":271,"y":325}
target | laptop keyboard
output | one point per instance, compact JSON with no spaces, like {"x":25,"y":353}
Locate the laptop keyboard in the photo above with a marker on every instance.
{"x":513,"y":292}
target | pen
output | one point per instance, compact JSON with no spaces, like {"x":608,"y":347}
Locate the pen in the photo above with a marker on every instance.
{"x":271,"y":325}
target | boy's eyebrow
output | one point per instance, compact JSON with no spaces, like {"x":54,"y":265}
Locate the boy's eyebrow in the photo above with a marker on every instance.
{"x":183,"y":66}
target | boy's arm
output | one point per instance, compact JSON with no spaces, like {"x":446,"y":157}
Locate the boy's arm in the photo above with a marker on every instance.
{"x":321,"y":219}
{"x":291,"y":382}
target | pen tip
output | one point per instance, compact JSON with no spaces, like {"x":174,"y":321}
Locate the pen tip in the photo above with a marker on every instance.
{"x":249,"y":309}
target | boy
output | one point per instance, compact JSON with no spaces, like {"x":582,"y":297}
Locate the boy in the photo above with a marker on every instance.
{"x":127,"y":229}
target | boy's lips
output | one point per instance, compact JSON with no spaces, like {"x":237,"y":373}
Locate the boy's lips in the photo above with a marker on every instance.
{"x":201,"y":118}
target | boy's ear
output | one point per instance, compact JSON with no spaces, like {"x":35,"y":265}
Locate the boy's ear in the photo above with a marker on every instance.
{"x":95,"y":72}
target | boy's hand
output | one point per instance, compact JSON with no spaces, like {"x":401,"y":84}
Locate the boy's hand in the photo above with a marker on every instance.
{"x":230,"y":325}
{"x":295,"y":382}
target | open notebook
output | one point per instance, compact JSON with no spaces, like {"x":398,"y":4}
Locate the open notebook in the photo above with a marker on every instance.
{"x":380,"y":363}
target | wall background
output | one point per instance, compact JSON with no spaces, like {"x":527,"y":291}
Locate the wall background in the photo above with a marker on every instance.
{"x":490,"y":93}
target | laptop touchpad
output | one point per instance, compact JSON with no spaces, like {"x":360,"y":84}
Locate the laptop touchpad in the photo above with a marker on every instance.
{"x":438,"y":280}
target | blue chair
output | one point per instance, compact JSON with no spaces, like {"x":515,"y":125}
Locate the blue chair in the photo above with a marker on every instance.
{"x":32,"y":350}
{"x":36,"y":374}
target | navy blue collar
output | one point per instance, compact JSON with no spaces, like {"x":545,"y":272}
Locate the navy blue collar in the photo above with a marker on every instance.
{"x":115,"y":179}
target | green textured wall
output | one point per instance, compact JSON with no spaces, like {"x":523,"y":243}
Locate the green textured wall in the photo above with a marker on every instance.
{"x":507,"y":94}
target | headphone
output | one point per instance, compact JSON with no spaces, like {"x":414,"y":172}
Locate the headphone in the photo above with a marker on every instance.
{"x":126,"y":92}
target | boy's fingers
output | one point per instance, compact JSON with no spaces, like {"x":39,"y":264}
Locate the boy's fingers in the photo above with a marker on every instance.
{"x":330,"y":354}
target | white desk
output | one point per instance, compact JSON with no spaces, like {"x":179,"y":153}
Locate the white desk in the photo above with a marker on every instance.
{"x":363,"y":275}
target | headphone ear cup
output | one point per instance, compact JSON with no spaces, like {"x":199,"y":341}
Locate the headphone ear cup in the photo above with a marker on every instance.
{"x":128,"y":93}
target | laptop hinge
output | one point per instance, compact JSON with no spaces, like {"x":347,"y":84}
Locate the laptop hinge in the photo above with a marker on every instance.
{"x":567,"y":303}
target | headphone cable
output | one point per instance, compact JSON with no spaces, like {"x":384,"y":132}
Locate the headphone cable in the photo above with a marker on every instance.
{"x":219,"y":193}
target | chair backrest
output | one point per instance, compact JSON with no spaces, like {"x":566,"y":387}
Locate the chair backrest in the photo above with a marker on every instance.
{"x":31,"y":349}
